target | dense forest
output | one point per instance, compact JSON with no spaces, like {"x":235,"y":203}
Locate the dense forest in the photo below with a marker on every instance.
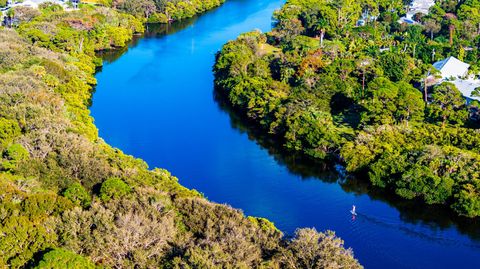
{"x":161,"y":11}
{"x":69,"y":200}
{"x":155,"y":11}
{"x":347,"y":81}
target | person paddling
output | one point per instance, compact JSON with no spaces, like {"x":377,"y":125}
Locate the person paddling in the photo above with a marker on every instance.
{"x":353,"y":210}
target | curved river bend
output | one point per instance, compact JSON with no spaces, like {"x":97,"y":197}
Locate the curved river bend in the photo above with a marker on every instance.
{"x":156,"y":102}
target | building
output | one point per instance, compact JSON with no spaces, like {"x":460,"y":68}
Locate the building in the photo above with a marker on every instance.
{"x":467,"y":87}
{"x":417,"y":6}
{"x":29,"y":3}
{"x":452,"y":68}
{"x":455,"y":71}
{"x":36,"y":3}
{"x":75,"y":3}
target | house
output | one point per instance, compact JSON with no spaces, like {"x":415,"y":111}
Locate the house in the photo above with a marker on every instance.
{"x":455,"y":71}
{"x":29,"y":3}
{"x":75,"y":3}
{"x":419,"y":6}
{"x":467,"y":87}
{"x":452,"y":68}
{"x":36,"y":3}
{"x":416,"y":6}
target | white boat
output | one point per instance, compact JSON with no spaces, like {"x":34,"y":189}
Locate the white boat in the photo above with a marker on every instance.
{"x":353,"y":210}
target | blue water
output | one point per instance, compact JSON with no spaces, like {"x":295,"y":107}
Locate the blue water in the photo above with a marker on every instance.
{"x":156,"y":102}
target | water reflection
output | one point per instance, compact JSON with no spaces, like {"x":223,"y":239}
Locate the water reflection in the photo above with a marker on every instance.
{"x":433,"y":216}
{"x":169,"y":119}
{"x":151,"y":31}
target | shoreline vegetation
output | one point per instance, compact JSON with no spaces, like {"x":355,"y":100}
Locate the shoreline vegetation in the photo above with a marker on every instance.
{"x":346,"y":83}
{"x":69,"y":199}
{"x":161,"y":11}
{"x":149,"y":11}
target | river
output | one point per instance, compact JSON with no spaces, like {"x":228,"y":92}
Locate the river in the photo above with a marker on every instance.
{"x":155,"y":100}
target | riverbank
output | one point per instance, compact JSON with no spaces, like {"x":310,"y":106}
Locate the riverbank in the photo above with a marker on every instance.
{"x":212,"y":153}
{"x":355,"y":103}
{"x":71,"y":198}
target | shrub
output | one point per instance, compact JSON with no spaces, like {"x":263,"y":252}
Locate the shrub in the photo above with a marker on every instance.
{"x":158,"y":18}
{"x":467,"y":201}
{"x":61,"y":258}
{"x":9,"y":129}
{"x":13,"y":155}
{"x":78,"y":195}
{"x":311,"y":249}
{"x":50,"y":7}
{"x":113,"y":188}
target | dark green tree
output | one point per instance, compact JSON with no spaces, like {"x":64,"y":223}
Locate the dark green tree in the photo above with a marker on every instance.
{"x":60,"y":258}
{"x":78,"y":195}
{"x":447,"y":105}
{"x":113,"y":188}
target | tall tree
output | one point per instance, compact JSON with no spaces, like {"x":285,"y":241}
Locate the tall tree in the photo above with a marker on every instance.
{"x":448,"y":104}
{"x":431,"y":26}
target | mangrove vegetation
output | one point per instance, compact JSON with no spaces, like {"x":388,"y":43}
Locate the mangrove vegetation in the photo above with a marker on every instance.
{"x":67,"y":199}
{"x":349,"y":81}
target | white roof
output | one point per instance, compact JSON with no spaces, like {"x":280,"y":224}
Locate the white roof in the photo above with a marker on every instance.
{"x":419,"y":6}
{"x":29,"y":3}
{"x":466,"y":87}
{"x":36,"y":3}
{"x":451,"y":67}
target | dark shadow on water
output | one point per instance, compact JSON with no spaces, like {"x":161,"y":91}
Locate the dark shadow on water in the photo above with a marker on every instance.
{"x":435,"y":217}
{"x":298,"y":164}
{"x":151,"y":31}
{"x":411,"y":211}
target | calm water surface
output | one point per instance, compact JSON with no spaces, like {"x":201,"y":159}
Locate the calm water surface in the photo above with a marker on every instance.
{"x":156,"y":102}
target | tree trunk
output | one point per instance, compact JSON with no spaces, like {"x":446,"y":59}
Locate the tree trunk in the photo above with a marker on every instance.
{"x":425,"y":92}
{"x":80,"y":46}
{"x":363,"y":84}
{"x":322,"y":34}
{"x":451,"y":29}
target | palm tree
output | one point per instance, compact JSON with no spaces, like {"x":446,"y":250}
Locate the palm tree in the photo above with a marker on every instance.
{"x":451,"y":25}
{"x":428,"y":80}
{"x":320,"y":27}
{"x":432,"y":27}
{"x":363,"y":65}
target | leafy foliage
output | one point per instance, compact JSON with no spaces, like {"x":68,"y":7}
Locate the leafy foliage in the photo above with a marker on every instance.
{"x":9,"y":130}
{"x":310,"y":249}
{"x":113,"y":188}
{"x":164,"y":11}
{"x":70,"y":200}
{"x":60,"y":258}
{"x":333,"y":88}
{"x":78,"y":195}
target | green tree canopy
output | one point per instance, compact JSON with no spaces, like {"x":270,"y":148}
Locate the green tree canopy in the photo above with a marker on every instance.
{"x":78,"y":195}
{"x":113,"y":188}
{"x":60,"y":258}
{"x":448,"y":105}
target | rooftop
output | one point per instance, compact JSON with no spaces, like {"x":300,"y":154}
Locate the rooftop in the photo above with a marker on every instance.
{"x":35,"y":3}
{"x":451,"y":67}
{"x":420,"y":6}
{"x":417,"y":6}
{"x":467,"y":86}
